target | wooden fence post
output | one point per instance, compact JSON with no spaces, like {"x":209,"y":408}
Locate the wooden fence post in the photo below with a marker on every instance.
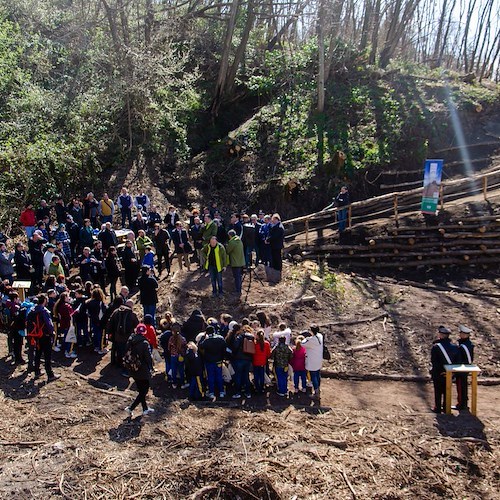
{"x":349,"y":214}
{"x":441,"y":196}
{"x":485,"y":188}
{"x":396,"y":210}
{"x":307,"y":232}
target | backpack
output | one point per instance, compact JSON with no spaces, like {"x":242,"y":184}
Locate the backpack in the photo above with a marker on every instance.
{"x":35,"y":325}
{"x":131,"y":360}
{"x":326,"y":352}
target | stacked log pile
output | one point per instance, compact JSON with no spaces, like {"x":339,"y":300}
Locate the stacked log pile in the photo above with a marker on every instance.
{"x":471,"y":241}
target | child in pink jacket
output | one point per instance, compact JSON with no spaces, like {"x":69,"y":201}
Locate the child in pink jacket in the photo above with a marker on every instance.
{"x":298,"y":363}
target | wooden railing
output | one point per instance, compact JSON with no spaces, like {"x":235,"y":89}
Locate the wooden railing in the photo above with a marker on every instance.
{"x":392,"y":204}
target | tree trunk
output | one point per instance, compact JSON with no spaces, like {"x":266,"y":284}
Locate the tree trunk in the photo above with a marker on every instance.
{"x":437,"y":45}
{"x":240,"y":51}
{"x":148,"y":22}
{"x":375,"y":33}
{"x":221,"y":79}
{"x":367,"y":21}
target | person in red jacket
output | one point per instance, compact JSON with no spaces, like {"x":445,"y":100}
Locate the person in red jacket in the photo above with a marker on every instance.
{"x":298,"y":363}
{"x":260,"y":357}
{"x":63,"y":313}
{"x":28,"y":220}
{"x":150,"y":331}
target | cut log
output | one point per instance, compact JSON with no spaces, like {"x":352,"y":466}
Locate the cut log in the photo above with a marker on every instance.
{"x":363,"y":347}
{"x":468,"y":146}
{"x":416,"y":263}
{"x":307,"y":299}
{"x":355,"y":321}
{"x":487,"y":381}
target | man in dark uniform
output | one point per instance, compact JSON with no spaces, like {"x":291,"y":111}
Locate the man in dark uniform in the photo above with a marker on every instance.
{"x":443,"y":352}
{"x":466,"y":357}
{"x":342,"y":200}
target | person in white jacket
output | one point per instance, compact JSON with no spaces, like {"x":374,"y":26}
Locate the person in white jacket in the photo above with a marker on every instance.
{"x":283,"y":331}
{"x":314,"y":358}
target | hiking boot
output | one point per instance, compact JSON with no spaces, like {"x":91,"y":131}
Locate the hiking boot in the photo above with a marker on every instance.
{"x":73,"y":355}
{"x":148,"y":411}
{"x":53,"y":378}
{"x":236,"y":396}
{"x":222,"y":395}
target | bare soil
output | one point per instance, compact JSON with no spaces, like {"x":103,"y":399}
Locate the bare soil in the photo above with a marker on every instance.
{"x":71,"y":438}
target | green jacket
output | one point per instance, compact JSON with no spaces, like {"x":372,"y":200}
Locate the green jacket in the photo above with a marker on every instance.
{"x":220,"y":256}
{"x":235,"y":252}
{"x":208,"y":231}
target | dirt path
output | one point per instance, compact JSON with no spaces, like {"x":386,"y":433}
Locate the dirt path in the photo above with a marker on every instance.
{"x":70,"y":440}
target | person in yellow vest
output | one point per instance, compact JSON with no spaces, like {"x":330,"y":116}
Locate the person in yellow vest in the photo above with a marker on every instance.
{"x":106,"y":209}
{"x":215,"y":259}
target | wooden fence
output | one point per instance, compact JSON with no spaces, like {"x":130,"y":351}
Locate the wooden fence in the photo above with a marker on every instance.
{"x":391,"y":205}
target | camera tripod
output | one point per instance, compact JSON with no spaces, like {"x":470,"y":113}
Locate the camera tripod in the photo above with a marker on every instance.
{"x":250,"y":271}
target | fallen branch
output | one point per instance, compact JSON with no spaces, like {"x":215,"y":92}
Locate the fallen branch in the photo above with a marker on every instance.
{"x":362,"y":347}
{"x":308,"y":299}
{"x":355,"y":321}
{"x":439,"y":288}
{"x":22,"y":443}
{"x":366,"y":377}
{"x":346,"y":479}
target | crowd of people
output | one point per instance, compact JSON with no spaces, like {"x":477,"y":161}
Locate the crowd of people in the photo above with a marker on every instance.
{"x":208,"y":356}
{"x":74,"y":261}
{"x":81,"y":234}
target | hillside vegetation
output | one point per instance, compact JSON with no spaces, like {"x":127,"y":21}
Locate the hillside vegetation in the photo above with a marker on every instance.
{"x":86,"y":87}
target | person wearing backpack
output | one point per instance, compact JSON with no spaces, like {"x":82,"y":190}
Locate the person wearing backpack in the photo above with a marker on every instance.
{"x":139,"y":363}
{"x":120,"y":328}
{"x":241,"y":360}
{"x":282,"y":355}
{"x":40,"y":330}
{"x":213,"y":347}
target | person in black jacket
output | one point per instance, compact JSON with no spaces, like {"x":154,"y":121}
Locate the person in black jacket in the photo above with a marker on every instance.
{"x":130,"y":265}
{"x":276,"y":241}
{"x":466,"y":357}
{"x":148,"y":287}
{"x":61,"y":211}
{"x":108,"y":237}
{"x":160,"y":240}
{"x":139,"y":347}
{"x":195,"y":324}
{"x":241,"y":361}
{"x":74,"y":236}
{"x":182,"y":247}
{"x":342,"y":200}
{"x":35,"y":249}
{"x":23,"y":263}
{"x":443,"y":352}
{"x":213,"y":347}
{"x":194,"y":372}
{"x":113,"y":270}
{"x":120,"y":328}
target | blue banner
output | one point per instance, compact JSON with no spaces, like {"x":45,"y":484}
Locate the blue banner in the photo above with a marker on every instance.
{"x":432,"y":183}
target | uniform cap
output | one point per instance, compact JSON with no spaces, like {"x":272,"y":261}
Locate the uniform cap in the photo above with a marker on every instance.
{"x":464,"y":329}
{"x":443,"y":329}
